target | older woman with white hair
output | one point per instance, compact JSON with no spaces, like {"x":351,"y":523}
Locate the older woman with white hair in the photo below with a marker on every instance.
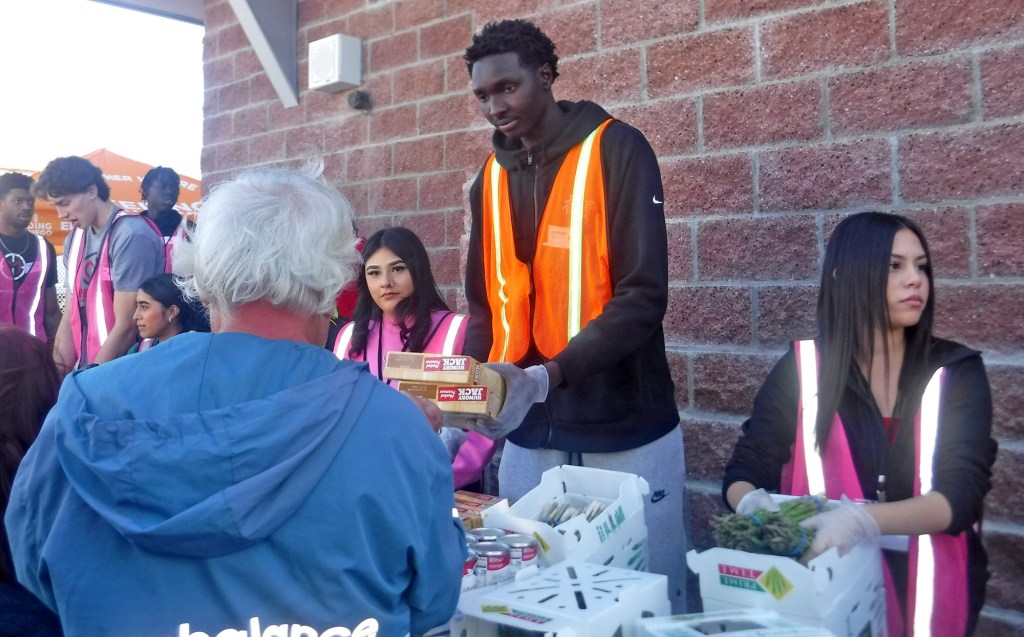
{"x":246,"y":478}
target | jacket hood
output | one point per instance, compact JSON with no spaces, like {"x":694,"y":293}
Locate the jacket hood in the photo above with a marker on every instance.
{"x":581,"y":118}
{"x":185,"y":469}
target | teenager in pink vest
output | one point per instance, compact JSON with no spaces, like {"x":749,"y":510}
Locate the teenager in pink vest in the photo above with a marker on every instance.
{"x":108,"y":253}
{"x":400,"y":309}
{"x":28,"y":278}
{"x":894,"y":421}
{"x":160,"y":189}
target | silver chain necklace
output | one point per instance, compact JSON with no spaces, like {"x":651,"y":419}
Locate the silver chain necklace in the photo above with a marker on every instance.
{"x":16,"y":260}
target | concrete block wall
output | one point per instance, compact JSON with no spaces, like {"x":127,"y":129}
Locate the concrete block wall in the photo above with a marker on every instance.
{"x":771,"y":120}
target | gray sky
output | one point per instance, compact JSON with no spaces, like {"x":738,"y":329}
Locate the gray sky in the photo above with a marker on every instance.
{"x":80,"y":75}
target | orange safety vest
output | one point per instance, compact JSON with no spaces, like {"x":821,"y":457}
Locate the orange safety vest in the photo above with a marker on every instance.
{"x":570,"y":274}
{"x":937,"y":577}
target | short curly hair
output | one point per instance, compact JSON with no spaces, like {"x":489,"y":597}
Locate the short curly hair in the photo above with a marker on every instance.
{"x":161,"y":174}
{"x":70,"y":176}
{"x":521,"y":37}
{"x":12,"y":180}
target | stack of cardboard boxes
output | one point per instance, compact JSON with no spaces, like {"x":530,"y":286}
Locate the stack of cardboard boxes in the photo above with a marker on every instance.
{"x":458,"y":385}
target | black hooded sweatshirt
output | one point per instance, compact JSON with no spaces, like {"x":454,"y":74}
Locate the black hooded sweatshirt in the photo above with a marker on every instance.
{"x":618,"y":392}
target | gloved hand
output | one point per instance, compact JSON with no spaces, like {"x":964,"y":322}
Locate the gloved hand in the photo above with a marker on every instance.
{"x":523,"y":388}
{"x":453,"y":437}
{"x":755,"y":500}
{"x":842,"y":526}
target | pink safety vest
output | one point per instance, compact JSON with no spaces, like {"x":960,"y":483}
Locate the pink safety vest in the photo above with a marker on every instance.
{"x":99,"y":297}
{"x":27,"y":307}
{"x":177,"y":235}
{"x":937,"y":573}
{"x":477,"y":450}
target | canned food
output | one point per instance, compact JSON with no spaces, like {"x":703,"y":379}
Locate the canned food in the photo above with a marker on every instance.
{"x":522,"y":551}
{"x":467,"y":566}
{"x":492,"y":562}
{"x":484,"y":534}
{"x":469,"y":578}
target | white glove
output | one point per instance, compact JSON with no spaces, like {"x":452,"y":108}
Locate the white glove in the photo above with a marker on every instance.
{"x":756,"y":500}
{"x":842,"y":526}
{"x":523,"y":388}
{"x":453,"y":437}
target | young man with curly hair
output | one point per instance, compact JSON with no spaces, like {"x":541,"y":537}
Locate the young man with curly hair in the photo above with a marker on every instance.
{"x":567,"y":285}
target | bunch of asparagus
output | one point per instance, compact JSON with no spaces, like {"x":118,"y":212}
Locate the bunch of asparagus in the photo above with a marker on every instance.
{"x":771,"y":532}
{"x":555,"y":513}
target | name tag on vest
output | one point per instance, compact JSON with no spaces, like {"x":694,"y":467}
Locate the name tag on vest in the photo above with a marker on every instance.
{"x":558,"y":237}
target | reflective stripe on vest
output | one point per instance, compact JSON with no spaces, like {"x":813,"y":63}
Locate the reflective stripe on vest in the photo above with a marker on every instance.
{"x":499,"y":267}
{"x":924,"y":597}
{"x":571,"y":238}
{"x":451,"y":334}
{"x":808,"y":361}
{"x":576,"y":237}
{"x":34,"y":312}
{"x":923,"y":551}
{"x":343,"y":340}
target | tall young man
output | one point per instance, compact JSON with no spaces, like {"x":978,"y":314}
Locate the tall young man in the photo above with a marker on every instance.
{"x":108,"y":255}
{"x":567,"y":283}
{"x":28,"y":279}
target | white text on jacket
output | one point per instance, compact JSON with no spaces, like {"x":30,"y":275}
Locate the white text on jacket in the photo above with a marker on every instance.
{"x":366,"y":628}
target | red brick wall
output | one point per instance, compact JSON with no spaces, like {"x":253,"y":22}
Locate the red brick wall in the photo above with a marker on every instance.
{"x":771,"y":119}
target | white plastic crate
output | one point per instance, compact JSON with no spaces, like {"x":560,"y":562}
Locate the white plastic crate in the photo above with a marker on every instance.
{"x":570,"y":599}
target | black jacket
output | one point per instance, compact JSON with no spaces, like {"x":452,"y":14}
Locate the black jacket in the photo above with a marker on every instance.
{"x":618,"y":392}
{"x":964,"y":454}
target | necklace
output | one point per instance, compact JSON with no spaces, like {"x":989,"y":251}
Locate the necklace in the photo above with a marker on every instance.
{"x":20,"y":252}
{"x":15,"y":259}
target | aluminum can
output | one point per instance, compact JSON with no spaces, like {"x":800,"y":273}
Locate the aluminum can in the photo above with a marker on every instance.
{"x":523,"y":551}
{"x":485,"y":534}
{"x":492,"y":562}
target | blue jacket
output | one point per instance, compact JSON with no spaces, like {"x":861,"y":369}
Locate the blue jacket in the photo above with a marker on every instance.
{"x":226,"y":481}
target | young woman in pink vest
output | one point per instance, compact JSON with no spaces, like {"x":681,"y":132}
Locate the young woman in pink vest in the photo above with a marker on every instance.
{"x":400,"y":309}
{"x":891,"y":420}
{"x":108,"y":254}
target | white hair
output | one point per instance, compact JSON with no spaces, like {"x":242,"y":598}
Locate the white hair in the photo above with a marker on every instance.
{"x":273,"y":234}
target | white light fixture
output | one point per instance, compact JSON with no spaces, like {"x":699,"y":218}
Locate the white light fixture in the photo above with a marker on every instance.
{"x":335,"y":63}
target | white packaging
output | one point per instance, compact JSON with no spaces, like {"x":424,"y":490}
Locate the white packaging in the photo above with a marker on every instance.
{"x":844,"y":595}
{"x":616,"y":537}
{"x":741,"y":622}
{"x":571,"y":599}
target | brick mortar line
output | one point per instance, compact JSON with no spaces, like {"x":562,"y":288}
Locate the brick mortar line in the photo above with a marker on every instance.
{"x":759,"y":284}
{"x":1012,"y":120}
{"x":821,"y":212}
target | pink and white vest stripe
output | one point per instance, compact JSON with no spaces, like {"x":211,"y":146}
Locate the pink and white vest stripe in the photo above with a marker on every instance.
{"x":937,"y":597}
{"x":26,"y":307}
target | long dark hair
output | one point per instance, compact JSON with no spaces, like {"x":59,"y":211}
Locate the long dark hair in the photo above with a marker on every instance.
{"x":413,"y":314}
{"x":165,"y":292}
{"x":853,"y":307}
{"x":28,"y":389}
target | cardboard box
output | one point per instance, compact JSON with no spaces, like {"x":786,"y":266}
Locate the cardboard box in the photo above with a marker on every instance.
{"x":470,"y":507}
{"x":439,"y":368}
{"x":742,"y":622}
{"x":571,"y":599}
{"x":469,"y":400}
{"x":616,"y":537}
{"x":844,"y":595}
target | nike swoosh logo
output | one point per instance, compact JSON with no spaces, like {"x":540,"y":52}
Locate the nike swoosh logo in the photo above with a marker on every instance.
{"x":655,"y":199}
{"x":658,"y":496}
